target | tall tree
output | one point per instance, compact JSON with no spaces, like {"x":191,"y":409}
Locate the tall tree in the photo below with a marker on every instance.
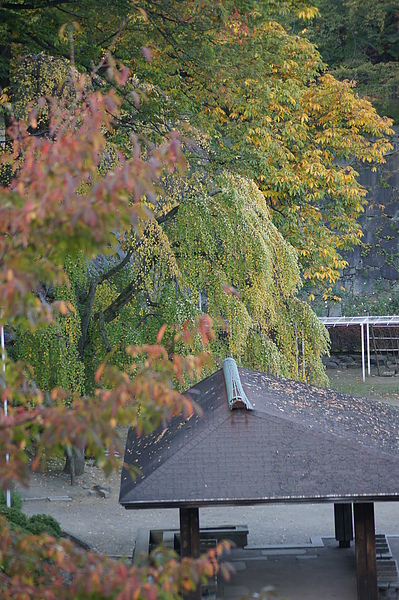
{"x":221,"y":239}
{"x":263,"y":96}
{"x":158,"y":276}
{"x":273,"y":115}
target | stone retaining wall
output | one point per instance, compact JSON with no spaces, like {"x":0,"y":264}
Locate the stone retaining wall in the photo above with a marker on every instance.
{"x":374,"y":267}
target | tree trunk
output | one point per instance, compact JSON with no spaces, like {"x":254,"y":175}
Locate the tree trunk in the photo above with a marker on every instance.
{"x":5,"y":121}
{"x":75,"y":464}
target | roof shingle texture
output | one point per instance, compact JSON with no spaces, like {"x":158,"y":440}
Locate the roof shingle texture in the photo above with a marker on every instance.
{"x":301,"y":443}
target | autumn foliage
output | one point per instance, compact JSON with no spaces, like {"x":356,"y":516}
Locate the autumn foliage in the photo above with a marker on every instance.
{"x":40,"y":568}
{"x":59,"y":204}
{"x":56,"y":205}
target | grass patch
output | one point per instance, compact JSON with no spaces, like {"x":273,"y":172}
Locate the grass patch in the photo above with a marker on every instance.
{"x":349,"y":381}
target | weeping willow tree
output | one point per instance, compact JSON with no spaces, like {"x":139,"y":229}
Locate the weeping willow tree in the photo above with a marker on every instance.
{"x":232,"y":258}
{"x":209,"y":245}
{"x":217,"y":251}
{"x":51,"y":351}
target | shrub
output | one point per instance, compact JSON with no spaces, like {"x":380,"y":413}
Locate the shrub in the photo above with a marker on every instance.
{"x":16,"y":500}
{"x":36,"y":524}
{"x":15,"y":517}
{"x":44,"y":524}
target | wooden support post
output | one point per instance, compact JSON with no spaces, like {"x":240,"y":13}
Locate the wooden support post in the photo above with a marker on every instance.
{"x":366,"y":566}
{"x":190,"y":541}
{"x":343,"y":524}
{"x":195,"y":533}
{"x":184,"y":532}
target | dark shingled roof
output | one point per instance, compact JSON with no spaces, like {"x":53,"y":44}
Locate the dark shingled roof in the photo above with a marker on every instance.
{"x":300,"y":443}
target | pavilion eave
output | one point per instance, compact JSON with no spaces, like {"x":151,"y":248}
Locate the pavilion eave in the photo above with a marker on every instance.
{"x":331,"y":499}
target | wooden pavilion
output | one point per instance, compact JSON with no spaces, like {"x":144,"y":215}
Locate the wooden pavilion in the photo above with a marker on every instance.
{"x":264,"y":439}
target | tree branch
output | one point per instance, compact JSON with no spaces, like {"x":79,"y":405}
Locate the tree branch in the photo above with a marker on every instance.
{"x":90,"y":300}
{"x":112,"y":311}
{"x":115,"y":269}
{"x":280,"y":212}
{"x":168,"y":216}
{"x":86,"y":317}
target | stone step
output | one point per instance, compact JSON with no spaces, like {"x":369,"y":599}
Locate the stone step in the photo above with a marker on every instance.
{"x":387,"y":570}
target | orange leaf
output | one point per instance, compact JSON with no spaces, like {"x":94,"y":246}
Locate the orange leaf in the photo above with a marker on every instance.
{"x":63,"y":307}
{"x":187,"y":585}
{"x":99,"y":372}
{"x":161,"y":333}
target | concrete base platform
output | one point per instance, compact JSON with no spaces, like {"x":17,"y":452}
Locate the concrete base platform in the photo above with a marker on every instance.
{"x":313,"y":572}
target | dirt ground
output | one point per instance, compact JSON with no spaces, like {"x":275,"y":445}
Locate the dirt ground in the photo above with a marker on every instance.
{"x":350,"y":381}
{"x":104,"y":525}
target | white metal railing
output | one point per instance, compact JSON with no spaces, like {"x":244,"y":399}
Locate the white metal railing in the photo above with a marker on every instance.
{"x":361,"y":321}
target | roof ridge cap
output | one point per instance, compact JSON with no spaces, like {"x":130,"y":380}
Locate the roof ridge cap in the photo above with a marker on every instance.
{"x":235,"y":392}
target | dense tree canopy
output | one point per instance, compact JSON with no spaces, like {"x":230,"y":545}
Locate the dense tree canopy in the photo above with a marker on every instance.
{"x":270,"y":137}
{"x":182,"y":263}
{"x":261,"y":94}
{"x":272,"y":115}
{"x":46,"y":25}
{"x":159,"y":275}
